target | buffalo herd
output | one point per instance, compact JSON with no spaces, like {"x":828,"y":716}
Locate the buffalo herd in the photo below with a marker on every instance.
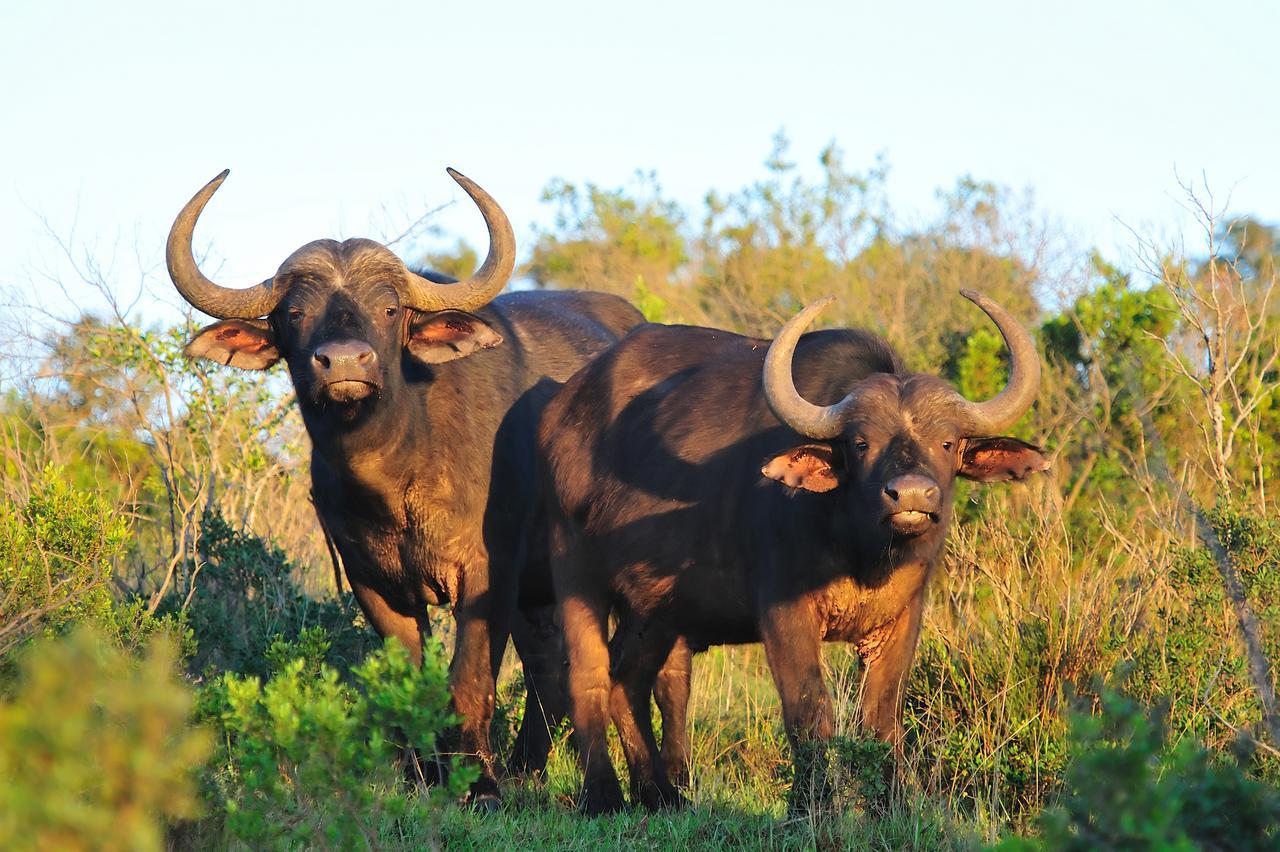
{"x":612,"y":495}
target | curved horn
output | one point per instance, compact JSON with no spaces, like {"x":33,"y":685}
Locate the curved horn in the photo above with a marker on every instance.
{"x":203,"y":294}
{"x":1005,"y":408}
{"x":488,"y":281}
{"x":815,"y":421}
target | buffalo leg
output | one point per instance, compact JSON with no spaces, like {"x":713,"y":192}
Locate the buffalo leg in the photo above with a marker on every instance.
{"x":482,"y":637}
{"x":886,"y":667}
{"x":638,"y":651}
{"x":584,"y":629}
{"x":584,"y":615}
{"x":793,"y":647}
{"x":389,"y":623}
{"x":408,"y":630}
{"x":539,"y":643}
{"x":671,"y":692}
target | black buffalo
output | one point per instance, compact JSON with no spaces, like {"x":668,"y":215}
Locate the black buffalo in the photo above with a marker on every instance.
{"x":699,"y":496}
{"x":421,"y":397}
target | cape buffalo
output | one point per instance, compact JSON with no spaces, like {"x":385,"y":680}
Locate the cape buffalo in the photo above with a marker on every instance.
{"x":662,"y":513}
{"x":421,"y":396}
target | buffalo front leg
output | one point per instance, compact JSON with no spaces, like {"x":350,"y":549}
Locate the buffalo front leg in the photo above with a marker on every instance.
{"x":589,"y":685}
{"x":671,"y":692}
{"x":793,"y":647}
{"x":391,"y":623}
{"x":408,"y":630}
{"x":887,"y":653}
{"x":585,"y":621}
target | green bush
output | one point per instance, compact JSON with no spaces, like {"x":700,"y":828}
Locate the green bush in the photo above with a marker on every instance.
{"x":307,"y":760}
{"x":1193,"y":653}
{"x":56,"y":556}
{"x":95,"y":748}
{"x":972,"y":744}
{"x":247,"y":598}
{"x":1127,"y":787}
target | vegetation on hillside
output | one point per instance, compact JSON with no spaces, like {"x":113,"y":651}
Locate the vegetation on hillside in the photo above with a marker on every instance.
{"x":1097,"y":663}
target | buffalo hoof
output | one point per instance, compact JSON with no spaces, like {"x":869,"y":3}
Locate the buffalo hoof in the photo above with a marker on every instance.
{"x":661,"y":796}
{"x":484,"y":795}
{"x":677,"y":771}
{"x":485,"y":803}
{"x":601,"y":798}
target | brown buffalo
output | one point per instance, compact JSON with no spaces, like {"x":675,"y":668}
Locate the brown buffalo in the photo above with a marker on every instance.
{"x":703,"y":490}
{"x":421,"y":396}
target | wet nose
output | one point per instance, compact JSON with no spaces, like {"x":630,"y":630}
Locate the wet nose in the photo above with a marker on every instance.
{"x":334,"y":356}
{"x":913,"y":492}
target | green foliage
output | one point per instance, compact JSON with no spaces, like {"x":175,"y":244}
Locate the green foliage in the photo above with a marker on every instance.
{"x":649,"y":303}
{"x":1043,"y":585}
{"x":460,"y":261}
{"x":306,"y":760}
{"x":57,"y":553}
{"x":841,"y":773}
{"x":982,"y":369}
{"x":1192,"y":655}
{"x":1128,"y":787}
{"x":974,"y":744}
{"x":607,"y":240}
{"x":95,"y":747}
{"x":247,"y":597}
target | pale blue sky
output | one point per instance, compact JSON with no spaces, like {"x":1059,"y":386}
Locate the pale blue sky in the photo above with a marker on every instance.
{"x":338,"y":122}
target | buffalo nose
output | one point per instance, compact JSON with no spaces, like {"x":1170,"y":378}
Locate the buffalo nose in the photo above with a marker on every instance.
{"x":337,"y":354}
{"x":913,"y":492}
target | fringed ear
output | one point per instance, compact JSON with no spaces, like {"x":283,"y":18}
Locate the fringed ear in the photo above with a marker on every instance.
{"x":248,"y":344}
{"x":446,"y":335}
{"x":812,"y":467}
{"x":1001,"y":459}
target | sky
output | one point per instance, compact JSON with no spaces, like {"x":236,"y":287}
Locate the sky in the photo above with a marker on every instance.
{"x":338,"y":119}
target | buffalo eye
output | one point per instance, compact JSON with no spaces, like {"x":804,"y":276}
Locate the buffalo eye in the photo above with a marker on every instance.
{"x":295,"y":316}
{"x":861,"y":446}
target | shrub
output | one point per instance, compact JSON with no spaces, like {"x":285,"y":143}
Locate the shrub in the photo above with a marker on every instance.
{"x":1127,"y":787}
{"x":1194,"y":655}
{"x":247,"y":598}
{"x":307,"y":760}
{"x":56,"y":556}
{"x":95,"y":751}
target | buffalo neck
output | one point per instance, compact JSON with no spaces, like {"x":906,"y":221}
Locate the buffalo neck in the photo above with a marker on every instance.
{"x":380,"y":452}
{"x":871,"y":558}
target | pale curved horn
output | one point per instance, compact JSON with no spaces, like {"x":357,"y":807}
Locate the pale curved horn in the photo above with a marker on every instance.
{"x":204,"y":295}
{"x":478,"y":290}
{"x":814,"y":421}
{"x":1005,"y":408}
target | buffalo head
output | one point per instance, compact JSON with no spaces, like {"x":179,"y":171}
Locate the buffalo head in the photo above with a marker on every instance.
{"x":897,"y":441}
{"x":343,"y":315}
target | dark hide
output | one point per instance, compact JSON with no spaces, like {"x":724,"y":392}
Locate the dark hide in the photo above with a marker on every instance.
{"x":661,"y":460}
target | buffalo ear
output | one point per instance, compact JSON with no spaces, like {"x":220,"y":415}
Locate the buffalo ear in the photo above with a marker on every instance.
{"x":813,"y":467}
{"x":445,"y":335}
{"x":249,"y":344}
{"x":1001,"y":459}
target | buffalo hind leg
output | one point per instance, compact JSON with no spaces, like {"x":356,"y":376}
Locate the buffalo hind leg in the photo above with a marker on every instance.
{"x":540,"y":644}
{"x":482,"y":638}
{"x":671,"y":692}
{"x":636,"y":654}
{"x":793,"y":647}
